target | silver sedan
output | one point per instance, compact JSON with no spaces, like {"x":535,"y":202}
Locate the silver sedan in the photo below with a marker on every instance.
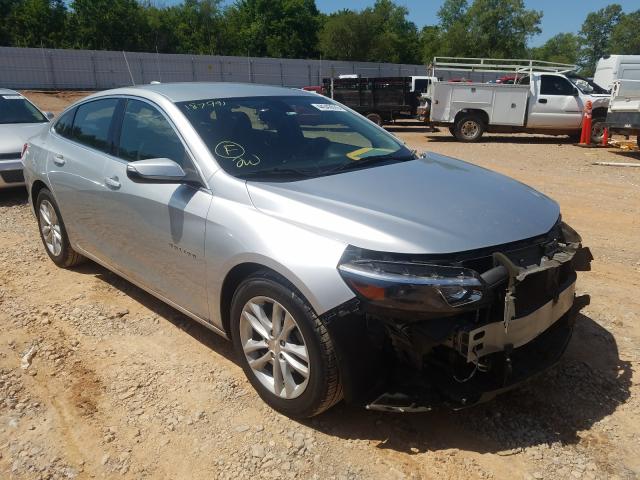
{"x":19,"y":120}
{"x":339,"y":262}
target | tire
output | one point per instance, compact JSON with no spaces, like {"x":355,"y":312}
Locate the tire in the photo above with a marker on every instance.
{"x":452,"y":131}
{"x":260,"y":295}
{"x":56,"y":243}
{"x":597,"y":130}
{"x":469,"y":128}
{"x":375,"y":118}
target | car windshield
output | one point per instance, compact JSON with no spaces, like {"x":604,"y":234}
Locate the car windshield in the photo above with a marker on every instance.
{"x":288,"y":138}
{"x":17,"y":109}
{"x":586,"y":86}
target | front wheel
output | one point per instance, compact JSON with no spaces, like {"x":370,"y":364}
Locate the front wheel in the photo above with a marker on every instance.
{"x":597,"y":130}
{"x":53,"y":232}
{"x":375,"y":118}
{"x":285,"y":350}
{"x":469,"y":128}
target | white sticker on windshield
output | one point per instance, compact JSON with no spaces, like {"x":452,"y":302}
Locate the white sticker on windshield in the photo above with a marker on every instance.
{"x":328,"y":107}
{"x":12,"y":97}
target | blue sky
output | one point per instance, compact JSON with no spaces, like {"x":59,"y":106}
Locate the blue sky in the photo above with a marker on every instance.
{"x":559,"y":15}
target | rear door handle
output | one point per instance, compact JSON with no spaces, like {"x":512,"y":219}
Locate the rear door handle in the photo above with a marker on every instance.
{"x":58,"y":159}
{"x":542,"y":100}
{"x":112,"y":182}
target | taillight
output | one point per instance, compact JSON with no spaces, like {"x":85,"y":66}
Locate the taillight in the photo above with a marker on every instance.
{"x":24,"y":150}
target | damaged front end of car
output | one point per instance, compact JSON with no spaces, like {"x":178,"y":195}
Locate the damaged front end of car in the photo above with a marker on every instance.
{"x":455,"y":330}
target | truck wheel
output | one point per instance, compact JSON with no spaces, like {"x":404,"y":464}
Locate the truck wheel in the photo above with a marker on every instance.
{"x":375,"y":118}
{"x":469,"y":128}
{"x":597,"y":130}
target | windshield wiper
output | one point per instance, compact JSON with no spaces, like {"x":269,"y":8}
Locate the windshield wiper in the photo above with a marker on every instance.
{"x":369,"y":161}
{"x":276,"y":172}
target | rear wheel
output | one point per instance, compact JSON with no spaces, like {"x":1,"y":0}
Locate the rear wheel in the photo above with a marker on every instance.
{"x":375,"y":118}
{"x":469,"y":128}
{"x":284,"y":348}
{"x":53,"y":232}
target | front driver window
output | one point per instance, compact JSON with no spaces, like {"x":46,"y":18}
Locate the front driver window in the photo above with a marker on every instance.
{"x":146,"y":133}
{"x":552,"y":85}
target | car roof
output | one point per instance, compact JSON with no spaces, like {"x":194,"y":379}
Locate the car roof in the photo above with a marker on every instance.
{"x":6,"y":91}
{"x":186,"y":91}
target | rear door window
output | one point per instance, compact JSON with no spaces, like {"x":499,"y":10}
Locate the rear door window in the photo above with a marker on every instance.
{"x":92,"y":124}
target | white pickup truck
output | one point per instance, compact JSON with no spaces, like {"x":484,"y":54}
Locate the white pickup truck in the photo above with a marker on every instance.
{"x":624,"y":108}
{"x":549,"y":103}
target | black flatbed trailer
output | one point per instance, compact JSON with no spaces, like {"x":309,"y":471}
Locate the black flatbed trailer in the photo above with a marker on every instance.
{"x":380,"y":99}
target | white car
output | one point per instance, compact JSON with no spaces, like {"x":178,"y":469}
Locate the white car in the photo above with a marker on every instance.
{"x":19,"y":120}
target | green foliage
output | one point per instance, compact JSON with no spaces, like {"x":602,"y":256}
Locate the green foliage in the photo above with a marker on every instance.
{"x":296,"y":29}
{"x":273,"y":28}
{"x":596,"y":34}
{"x":380,"y":33}
{"x":485,"y":28}
{"x":625,"y":36}
{"x":561,"y":48}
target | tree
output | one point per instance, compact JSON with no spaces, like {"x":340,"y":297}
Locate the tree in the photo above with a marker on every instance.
{"x":35,"y":23}
{"x":106,"y":24}
{"x":501,"y":28}
{"x":381,"y":33}
{"x":561,"y":48}
{"x":486,"y":28}
{"x":596,"y":34}
{"x":273,"y":28}
{"x":625,"y":36}
{"x":6,"y":7}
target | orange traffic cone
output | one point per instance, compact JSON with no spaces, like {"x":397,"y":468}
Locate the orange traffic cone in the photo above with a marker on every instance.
{"x":585,"y":136}
{"x":605,"y":137}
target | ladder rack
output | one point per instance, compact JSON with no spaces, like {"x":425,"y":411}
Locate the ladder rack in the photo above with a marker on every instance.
{"x":497,"y":65}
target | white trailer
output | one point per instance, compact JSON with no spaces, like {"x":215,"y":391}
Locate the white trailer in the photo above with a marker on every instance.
{"x":624,"y":108}
{"x":546,"y":98}
{"x":616,"y":67}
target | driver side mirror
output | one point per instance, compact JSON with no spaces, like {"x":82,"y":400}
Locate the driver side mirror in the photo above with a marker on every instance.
{"x":576,"y":92}
{"x":156,"y":170}
{"x":49,"y":115}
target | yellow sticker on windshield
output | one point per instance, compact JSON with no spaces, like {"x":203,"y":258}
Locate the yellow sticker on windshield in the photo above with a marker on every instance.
{"x":367,"y":152}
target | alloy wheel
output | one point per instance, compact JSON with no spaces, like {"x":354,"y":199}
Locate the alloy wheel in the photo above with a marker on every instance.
{"x":50,"y":228}
{"x":274,"y":347}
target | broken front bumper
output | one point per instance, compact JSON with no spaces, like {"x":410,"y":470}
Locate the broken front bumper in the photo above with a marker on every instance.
{"x":406,"y":364}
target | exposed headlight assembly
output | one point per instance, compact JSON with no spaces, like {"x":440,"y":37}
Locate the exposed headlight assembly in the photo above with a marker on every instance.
{"x":413,"y":286}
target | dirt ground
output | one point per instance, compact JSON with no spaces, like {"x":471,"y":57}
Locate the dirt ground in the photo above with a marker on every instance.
{"x":122,"y":386}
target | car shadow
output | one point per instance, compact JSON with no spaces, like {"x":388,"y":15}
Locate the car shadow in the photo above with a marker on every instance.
{"x":632,"y":154}
{"x":12,"y":197}
{"x":587,"y":385}
{"x":529,"y":139}
{"x":199,"y":332}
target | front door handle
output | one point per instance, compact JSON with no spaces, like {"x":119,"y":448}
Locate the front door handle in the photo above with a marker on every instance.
{"x":58,"y":159}
{"x":542,"y":100}
{"x":112,"y":182}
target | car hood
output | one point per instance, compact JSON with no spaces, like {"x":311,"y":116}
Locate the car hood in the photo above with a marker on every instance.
{"x":14,"y":135}
{"x":434,"y":204}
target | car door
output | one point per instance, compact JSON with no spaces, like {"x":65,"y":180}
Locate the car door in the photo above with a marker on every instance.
{"x":77,"y":150}
{"x":556,"y":106}
{"x":156,"y":230}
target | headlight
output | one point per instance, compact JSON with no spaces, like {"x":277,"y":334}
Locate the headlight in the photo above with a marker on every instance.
{"x":413,"y":286}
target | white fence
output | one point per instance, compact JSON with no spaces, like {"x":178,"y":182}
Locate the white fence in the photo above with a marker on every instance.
{"x":49,"y":69}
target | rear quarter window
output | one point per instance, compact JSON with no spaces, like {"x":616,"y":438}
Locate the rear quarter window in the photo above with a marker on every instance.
{"x":64,"y":125}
